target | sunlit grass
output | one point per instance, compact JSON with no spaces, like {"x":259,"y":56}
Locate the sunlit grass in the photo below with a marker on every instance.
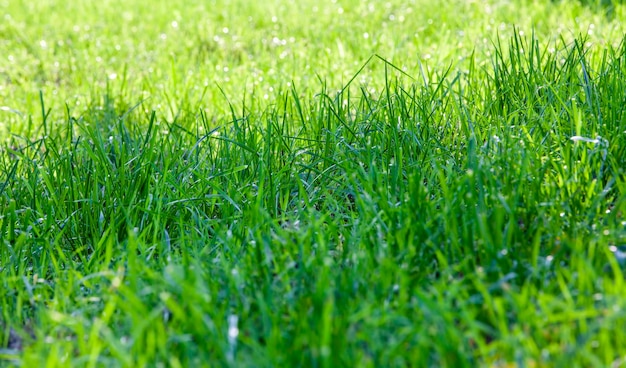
{"x":365,"y":184}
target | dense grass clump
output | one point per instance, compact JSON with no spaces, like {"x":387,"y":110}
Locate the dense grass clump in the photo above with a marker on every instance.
{"x":469,"y":213}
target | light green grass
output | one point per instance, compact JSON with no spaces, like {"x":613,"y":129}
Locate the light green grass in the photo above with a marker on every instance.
{"x":448,"y":191}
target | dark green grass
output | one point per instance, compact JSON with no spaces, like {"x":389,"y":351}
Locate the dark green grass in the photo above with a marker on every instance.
{"x":446,"y":220}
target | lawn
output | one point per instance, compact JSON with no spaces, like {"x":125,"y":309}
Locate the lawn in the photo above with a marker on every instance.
{"x":312,"y":183}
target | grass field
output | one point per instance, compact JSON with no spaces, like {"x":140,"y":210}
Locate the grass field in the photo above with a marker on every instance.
{"x":327,"y":184}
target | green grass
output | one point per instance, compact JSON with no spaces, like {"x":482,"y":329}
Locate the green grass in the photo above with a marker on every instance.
{"x":448,"y":190}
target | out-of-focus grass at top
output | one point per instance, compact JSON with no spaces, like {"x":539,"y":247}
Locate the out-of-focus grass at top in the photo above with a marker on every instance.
{"x":180,"y":57}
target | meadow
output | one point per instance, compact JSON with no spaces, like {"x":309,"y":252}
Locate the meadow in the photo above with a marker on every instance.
{"x":312,"y":183}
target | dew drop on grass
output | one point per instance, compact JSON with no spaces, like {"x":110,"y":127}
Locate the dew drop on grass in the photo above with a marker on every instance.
{"x":620,"y":254}
{"x":233,"y":330}
{"x":233,"y":333}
